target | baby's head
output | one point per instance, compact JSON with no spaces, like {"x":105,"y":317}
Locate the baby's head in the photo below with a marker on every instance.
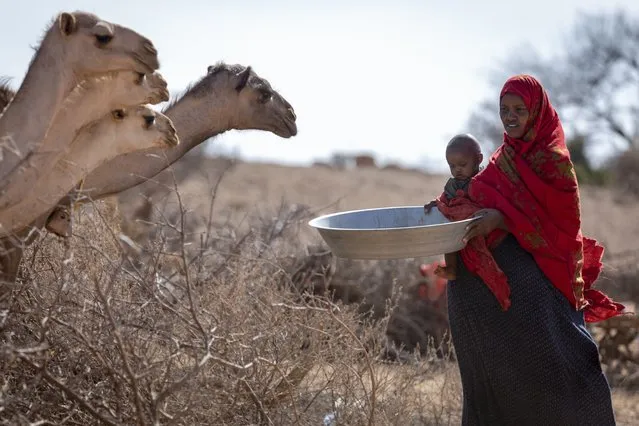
{"x":464,"y":156}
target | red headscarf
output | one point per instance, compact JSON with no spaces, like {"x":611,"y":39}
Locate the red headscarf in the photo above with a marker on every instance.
{"x":532,"y":182}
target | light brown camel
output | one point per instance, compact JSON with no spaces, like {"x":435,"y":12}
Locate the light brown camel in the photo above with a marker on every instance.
{"x":90,"y":100}
{"x":75,"y":46}
{"x":228,"y":97}
{"x":122,"y":131}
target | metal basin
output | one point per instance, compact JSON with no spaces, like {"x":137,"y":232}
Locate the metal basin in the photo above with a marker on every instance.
{"x":390,"y":233}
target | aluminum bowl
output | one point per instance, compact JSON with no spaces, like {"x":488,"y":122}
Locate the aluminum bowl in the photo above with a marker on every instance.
{"x":390,"y":233}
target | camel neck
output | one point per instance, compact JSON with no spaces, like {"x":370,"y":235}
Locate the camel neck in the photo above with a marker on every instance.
{"x":195,"y":121}
{"x":24,"y":124}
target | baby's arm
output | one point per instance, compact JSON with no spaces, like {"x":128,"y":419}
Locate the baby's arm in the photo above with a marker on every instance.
{"x":428,"y":207}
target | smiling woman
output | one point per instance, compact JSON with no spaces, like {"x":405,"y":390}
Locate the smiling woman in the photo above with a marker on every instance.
{"x":530,"y":361}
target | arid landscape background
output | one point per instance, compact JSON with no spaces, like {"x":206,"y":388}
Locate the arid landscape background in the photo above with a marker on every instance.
{"x":607,"y":215}
{"x":267,"y":190}
{"x":204,"y":298}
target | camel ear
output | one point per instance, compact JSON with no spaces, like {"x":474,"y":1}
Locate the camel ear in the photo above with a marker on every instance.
{"x":67,"y":23}
{"x":210,"y":69}
{"x":243,"y":78}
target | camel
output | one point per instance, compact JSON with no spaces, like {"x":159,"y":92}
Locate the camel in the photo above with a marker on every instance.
{"x":90,"y":100}
{"x":120,"y":132}
{"x":12,"y":246}
{"x":75,"y":46}
{"x":227,"y":97}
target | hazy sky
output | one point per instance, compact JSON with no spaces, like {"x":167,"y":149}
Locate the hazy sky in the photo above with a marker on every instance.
{"x":396,"y":78}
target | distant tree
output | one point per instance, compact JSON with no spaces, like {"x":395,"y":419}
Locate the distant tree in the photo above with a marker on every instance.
{"x":485,"y":125}
{"x":586,"y":173}
{"x":577,"y":148}
{"x":593,"y":81}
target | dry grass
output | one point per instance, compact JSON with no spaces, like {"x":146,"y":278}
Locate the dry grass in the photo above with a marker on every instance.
{"x":94,"y":338}
{"x":204,"y":324}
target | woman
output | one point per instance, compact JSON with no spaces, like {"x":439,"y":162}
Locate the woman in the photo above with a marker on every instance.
{"x":532,"y":362}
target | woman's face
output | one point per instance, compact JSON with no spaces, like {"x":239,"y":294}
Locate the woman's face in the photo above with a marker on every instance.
{"x":514,"y":115}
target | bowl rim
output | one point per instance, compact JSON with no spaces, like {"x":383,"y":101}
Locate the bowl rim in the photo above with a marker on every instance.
{"x":313,"y":222}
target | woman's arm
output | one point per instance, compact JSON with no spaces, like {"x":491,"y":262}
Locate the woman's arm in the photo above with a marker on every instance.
{"x":502,"y":223}
{"x":489,"y":220}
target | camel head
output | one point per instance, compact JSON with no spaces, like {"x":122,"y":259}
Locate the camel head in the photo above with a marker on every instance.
{"x":116,"y":89}
{"x":95,"y":46}
{"x":131,"y":88}
{"x":246,"y":100}
{"x":59,"y":222}
{"x":138,"y":128}
{"x":91,"y":100}
{"x":122,"y":131}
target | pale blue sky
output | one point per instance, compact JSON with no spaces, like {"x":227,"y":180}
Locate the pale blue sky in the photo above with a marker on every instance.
{"x":396,"y":78}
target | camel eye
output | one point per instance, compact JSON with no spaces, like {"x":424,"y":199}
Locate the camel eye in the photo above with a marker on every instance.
{"x":118,"y":114}
{"x":139,"y":78}
{"x":103,"y":39}
{"x":265,"y":96}
{"x":149,"y":120}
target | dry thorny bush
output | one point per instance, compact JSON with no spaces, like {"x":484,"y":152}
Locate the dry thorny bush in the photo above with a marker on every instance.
{"x":618,"y":338}
{"x":232,"y":323}
{"x":204,"y":328}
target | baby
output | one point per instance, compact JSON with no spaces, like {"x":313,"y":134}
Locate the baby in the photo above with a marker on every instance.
{"x":464,"y":156}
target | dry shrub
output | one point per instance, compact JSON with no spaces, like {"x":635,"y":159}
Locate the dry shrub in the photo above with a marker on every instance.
{"x":625,"y":169}
{"x":199,"y":327}
{"x":618,"y":337}
{"x":225,"y":325}
{"x":415,"y":322}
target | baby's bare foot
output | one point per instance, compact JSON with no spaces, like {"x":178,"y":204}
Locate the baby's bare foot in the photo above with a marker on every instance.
{"x":446,"y":272}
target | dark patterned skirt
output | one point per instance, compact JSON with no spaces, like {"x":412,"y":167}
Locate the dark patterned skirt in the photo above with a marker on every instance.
{"x":535,"y":364}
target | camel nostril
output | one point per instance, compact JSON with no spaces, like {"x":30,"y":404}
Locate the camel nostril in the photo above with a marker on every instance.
{"x":149,"y":120}
{"x":118,"y":114}
{"x":291,"y":114}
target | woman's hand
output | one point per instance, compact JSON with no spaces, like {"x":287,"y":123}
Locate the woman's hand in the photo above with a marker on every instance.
{"x":489,"y":220}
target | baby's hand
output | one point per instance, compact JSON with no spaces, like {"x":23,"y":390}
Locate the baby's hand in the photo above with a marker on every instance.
{"x":428,"y":207}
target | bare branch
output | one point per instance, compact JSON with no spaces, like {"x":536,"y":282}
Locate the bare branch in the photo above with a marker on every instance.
{"x":123,"y":354}
{"x":67,"y":391}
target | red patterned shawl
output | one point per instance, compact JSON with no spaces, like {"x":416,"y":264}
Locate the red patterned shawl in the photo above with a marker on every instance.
{"x":532,"y":182}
